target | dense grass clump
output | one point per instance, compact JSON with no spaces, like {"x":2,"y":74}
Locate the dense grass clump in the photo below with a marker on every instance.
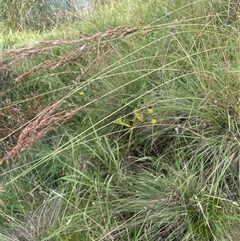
{"x":41,"y":14}
{"x":124,"y":126}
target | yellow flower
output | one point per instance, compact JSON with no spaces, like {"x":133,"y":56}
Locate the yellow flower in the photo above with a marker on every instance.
{"x":81,"y":93}
{"x":150,"y":111}
{"x":138,"y":116}
{"x":154,"y":121}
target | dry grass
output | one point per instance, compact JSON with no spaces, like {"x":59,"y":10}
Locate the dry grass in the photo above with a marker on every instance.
{"x":38,"y":128}
{"x":24,"y":53}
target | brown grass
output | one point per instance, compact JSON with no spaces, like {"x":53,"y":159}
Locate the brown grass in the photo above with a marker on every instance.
{"x":25,"y":53}
{"x":38,"y":128}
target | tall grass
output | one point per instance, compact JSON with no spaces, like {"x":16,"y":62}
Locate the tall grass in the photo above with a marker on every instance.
{"x":42,"y":14}
{"x":125,"y":126}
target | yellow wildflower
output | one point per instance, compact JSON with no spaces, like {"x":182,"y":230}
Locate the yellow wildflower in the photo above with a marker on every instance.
{"x":138,"y":116}
{"x":81,"y":93}
{"x":154,"y":121}
{"x":150,"y":110}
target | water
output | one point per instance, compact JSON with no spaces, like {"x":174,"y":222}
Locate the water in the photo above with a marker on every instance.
{"x":65,"y":4}
{"x":47,"y":12}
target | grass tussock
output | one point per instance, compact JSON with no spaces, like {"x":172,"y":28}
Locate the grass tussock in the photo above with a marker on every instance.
{"x":123,"y":126}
